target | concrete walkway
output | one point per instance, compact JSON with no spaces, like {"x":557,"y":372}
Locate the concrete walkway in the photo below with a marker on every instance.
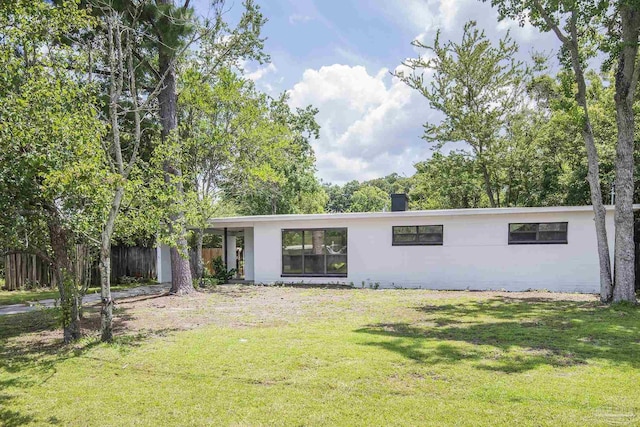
{"x":89,"y":299}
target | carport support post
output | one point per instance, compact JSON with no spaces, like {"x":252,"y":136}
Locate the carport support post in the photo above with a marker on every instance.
{"x":163,"y":263}
{"x":248,"y":254}
{"x":230,"y":254}
{"x":224,"y":246}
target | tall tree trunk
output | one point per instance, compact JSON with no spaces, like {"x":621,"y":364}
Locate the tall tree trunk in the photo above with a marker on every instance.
{"x":63,"y":270}
{"x":199,"y":260}
{"x":600,"y":213}
{"x":181,"y":281}
{"x":626,"y":82}
{"x":593,"y":175}
{"x":593,"y":178}
{"x":317,"y":242}
{"x":106,"y":312}
{"x":487,"y":183}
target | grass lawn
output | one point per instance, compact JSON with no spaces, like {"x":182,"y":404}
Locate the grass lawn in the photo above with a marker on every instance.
{"x":254,"y":356}
{"x":23,"y":297}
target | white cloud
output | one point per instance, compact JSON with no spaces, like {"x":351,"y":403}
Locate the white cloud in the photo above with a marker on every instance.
{"x":425,"y":17}
{"x":526,"y":32}
{"x":448,"y":11}
{"x":261,"y":72}
{"x":370,"y":124}
{"x":297,"y":18}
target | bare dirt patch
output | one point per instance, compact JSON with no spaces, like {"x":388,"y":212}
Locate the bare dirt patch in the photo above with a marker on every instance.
{"x":242,"y":306}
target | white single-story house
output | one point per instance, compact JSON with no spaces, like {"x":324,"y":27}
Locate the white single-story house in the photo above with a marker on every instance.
{"x":514,"y":249}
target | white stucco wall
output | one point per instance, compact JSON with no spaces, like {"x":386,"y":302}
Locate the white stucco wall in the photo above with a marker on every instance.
{"x":248,"y":254}
{"x":475,"y":253}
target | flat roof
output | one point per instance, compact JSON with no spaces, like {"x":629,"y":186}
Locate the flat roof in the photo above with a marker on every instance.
{"x":402,"y":214}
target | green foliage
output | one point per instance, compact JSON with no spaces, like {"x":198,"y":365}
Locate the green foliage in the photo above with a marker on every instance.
{"x":590,"y":17}
{"x":220,"y":272}
{"x":540,"y":160}
{"x":340,"y":198}
{"x":369,"y":199}
{"x":478,"y":86}
{"x":283,"y":178}
{"x":130,"y":280}
{"x":447,"y":182}
{"x":206,"y":282}
{"x":49,"y":135}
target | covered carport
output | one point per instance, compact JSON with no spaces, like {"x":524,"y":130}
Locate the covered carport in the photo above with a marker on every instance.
{"x":230,"y":237}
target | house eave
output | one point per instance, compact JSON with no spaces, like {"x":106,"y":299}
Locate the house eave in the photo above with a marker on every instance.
{"x":249,"y":220}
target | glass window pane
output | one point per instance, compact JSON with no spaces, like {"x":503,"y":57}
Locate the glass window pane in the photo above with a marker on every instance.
{"x":335,"y":241}
{"x":553,"y":226}
{"x":405,"y":238}
{"x":558,"y":236}
{"x":336,"y":264}
{"x":404,"y":230}
{"x":314,"y":264}
{"x":430,"y":238}
{"x":429,"y":229}
{"x":523,"y":227}
{"x":292,"y":242}
{"x":314,"y":242}
{"x":306,"y":251}
{"x":292,"y":252}
{"x":292,"y":264}
{"x":523,"y":237}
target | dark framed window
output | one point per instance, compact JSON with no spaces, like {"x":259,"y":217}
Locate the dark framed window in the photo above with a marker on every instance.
{"x":314,"y":252}
{"x":538,"y":233}
{"x":414,"y":235}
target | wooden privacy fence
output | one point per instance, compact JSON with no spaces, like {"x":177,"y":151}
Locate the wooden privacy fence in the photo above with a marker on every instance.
{"x":23,"y":270}
{"x":133,"y":261}
{"x":208,"y":254}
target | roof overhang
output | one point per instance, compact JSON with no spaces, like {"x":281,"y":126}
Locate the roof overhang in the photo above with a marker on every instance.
{"x":248,"y":221}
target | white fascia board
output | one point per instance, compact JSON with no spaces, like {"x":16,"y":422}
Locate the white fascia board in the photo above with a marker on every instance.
{"x":240,"y":221}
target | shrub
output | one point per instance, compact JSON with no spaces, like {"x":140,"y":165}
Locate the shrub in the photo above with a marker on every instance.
{"x":220,"y":272}
{"x":208,"y":282}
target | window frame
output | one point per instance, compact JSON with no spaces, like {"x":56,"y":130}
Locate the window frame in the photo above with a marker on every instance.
{"x":417,"y":233}
{"x":538,"y":241}
{"x":303,"y":274}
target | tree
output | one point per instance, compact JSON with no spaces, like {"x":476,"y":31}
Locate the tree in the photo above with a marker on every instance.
{"x":339,"y":196}
{"x":574,"y":23}
{"x":626,"y":78}
{"x":220,"y":46}
{"x":448,"y":182}
{"x":392,"y":183}
{"x":222,"y":119}
{"x":173,"y":23}
{"x":284,"y":179}
{"x":477,"y":86}
{"x":369,"y":199}
{"x":52,"y":169}
{"x":119,"y":45}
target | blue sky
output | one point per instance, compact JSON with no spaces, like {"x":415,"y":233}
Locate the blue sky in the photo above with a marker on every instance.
{"x":338,"y":55}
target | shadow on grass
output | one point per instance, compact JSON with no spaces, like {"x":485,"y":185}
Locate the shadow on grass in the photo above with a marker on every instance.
{"x":510,"y":335}
{"x":31,"y":347}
